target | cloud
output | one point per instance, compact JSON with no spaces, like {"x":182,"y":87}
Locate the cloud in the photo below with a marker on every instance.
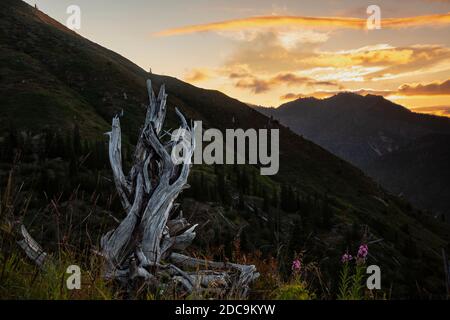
{"x":287,"y":37}
{"x":430,"y":89}
{"x":292,"y":96}
{"x":436,"y":110}
{"x":355,"y":73}
{"x":390,"y":60}
{"x":265,"y":21}
{"x":376,"y":62}
{"x":259,"y":85}
{"x":293,"y":79}
{"x":267,"y":54}
{"x":305,"y":21}
{"x":254,"y":84}
{"x":272,"y":55}
{"x":264,"y":65}
{"x":197,"y":75}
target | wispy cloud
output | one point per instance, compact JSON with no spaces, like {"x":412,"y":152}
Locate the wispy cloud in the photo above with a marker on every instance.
{"x":197,"y":75}
{"x":377,"y":62}
{"x":430,"y":89}
{"x":305,"y":21}
{"x":436,"y":110}
{"x":275,"y":54}
{"x":259,"y":85}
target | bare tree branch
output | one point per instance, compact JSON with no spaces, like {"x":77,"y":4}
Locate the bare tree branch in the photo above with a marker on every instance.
{"x":149,"y":234}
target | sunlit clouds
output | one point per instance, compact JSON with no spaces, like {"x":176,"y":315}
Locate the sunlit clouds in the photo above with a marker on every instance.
{"x":312,"y":22}
{"x":278,"y":58}
{"x":436,"y":88}
{"x":264,"y":65}
{"x":267,"y":22}
{"x":197,"y":75}
{"x":258,"y":85}
{"x":267,"y":52}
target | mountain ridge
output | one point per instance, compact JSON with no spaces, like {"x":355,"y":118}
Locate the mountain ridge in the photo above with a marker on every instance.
{"x":368,"y":131}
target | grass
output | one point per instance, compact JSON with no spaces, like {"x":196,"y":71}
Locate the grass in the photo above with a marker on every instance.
{"x":21,"y":280}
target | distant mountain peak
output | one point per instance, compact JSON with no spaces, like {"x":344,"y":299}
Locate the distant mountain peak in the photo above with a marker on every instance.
{"x":347,"y":100}
{"x":347,"y":94}
{"x":309,"y":99}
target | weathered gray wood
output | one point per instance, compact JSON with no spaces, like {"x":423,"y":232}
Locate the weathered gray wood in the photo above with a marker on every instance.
{"x":32,"y":249}
{"x":239,"y":288}
{"x":177,"y":225}
{"x":149,"y":233}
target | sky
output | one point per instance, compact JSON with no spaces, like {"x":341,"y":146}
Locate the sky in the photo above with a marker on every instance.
{"x":270,"y":52}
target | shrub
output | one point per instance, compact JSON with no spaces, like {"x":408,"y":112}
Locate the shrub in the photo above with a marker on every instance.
{"x":295,"y":290}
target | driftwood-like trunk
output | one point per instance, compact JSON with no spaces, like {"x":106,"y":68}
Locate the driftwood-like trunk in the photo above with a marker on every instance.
{"x":150,"y":233}
{"x":143,"y":248}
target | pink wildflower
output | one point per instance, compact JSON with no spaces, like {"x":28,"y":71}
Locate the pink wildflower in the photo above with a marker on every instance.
{"x":296,"y":266}
{"x":363,"y":251}
{"x":346,"y":258}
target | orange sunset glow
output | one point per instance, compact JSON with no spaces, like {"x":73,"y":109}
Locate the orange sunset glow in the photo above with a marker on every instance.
{"x":267,"y":53}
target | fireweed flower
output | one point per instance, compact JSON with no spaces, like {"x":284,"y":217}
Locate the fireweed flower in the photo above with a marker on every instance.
{"x":296,"y":266}
{"x":346,"y":258}
{"x":363,"y":251}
